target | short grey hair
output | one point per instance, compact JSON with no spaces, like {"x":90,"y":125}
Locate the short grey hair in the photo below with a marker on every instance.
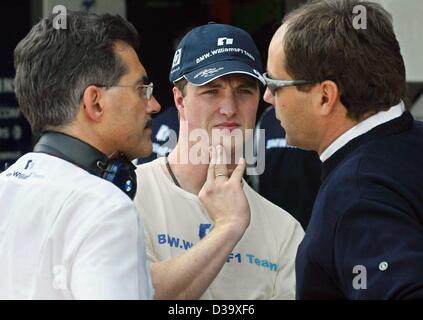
{"x":54,"y":66}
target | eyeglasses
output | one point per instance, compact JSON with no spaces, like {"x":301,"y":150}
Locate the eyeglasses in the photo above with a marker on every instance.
{"x":145,"y":91}
{"x":274,"y":84}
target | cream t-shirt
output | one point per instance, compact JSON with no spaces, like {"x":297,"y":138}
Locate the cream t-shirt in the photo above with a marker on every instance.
{"x":262,"y":264}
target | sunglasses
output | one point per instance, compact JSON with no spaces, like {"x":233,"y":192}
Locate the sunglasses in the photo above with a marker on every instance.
{"x":275,"y":85}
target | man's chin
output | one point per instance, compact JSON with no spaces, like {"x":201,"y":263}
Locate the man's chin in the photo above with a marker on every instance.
{"x":145,"y":150}
{"x":296,"y":143}
{"x":291,"y":142}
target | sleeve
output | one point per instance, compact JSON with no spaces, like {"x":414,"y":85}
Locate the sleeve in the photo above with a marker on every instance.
{"x":285,"y":278}
{"x":148,"y":219}
{"x":149,"y":246}
{"x":379,"y":252}
{"x":143,"y":216}
{"x":111,"y":261}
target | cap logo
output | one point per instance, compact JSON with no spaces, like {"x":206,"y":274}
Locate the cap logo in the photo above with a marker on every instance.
{"x":225,"y":41}
{"x":207,"y":72}
{"x":213,"y":50}
{"x":177,"y":58}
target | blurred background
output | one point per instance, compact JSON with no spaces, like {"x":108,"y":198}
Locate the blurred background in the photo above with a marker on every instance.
{"x":161,"y":24}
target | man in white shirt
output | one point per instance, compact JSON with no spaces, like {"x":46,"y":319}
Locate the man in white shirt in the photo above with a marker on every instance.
{"x":238,"y":247}
{"x":338,"y":88}
{"x":66,"y":232}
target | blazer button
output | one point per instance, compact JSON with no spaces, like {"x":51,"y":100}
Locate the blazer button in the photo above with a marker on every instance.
{"x":383,"y":266}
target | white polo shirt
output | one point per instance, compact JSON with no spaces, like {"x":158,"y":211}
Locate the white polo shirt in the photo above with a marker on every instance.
{"x":67,"y":234}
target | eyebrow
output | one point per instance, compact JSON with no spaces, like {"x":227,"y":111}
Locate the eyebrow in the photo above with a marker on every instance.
{"x":212,"y":86}
{"x":242,"y":84}
{"x":249,"y":83}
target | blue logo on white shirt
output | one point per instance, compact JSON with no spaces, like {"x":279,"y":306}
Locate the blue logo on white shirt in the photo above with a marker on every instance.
{"x":29,"y":165}
{"x":204,"y":230}
{"x":128,"y":185}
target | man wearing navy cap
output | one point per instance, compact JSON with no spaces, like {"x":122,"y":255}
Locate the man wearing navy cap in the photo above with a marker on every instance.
{"x":201,"y":245}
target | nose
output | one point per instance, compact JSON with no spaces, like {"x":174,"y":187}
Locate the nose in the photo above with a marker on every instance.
{"x":153,"y":106}
{"x":269,"y":97}
{"x":229,"y":106}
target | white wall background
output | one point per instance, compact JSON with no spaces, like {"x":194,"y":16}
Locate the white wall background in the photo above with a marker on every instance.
{"x":408,"y":25}
{"x":97,"y":6}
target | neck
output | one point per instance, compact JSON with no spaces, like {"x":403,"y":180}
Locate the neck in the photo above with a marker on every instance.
{"x":88,"y":137}
{"x":336,"y":127}
{"x":191,"y":177}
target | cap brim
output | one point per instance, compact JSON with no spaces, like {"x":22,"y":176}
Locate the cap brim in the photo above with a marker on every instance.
{"x":200,"y":77}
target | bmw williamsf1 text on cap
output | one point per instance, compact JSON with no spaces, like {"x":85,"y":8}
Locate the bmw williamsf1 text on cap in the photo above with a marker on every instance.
{"x":214,"y":50}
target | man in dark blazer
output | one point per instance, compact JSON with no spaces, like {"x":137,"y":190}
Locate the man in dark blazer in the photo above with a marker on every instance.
{"x":337,"y":80}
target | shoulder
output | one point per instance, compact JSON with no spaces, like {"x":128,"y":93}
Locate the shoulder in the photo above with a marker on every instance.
{"x":95,"y":200}
{"x":150,"y":165}
{"x":386,"y":170}
{"x":151,"y":170}
{"x":97,"y":205}
{"x":277,"y":218}
{"x":81,"y":186}
{"x":389,"y":150}
{"x":391,"y":160}
{"x":74,"y":198}
{"x":151,"y":183}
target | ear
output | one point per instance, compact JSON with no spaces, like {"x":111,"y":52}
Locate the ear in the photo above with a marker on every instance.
{"x":178,"y":98}
{"x":330,"y":96}
{"x":92,"y":103}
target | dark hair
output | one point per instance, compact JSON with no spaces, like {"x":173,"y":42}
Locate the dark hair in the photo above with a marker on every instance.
{"x":321,"y":43}
{"x":181,"y":85}
{"x":54,"y":66}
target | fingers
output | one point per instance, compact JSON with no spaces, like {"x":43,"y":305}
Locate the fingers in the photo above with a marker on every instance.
{"x":218,"y":166}
{"x":239,"y":170}
{"x":211,"y":169}
{"x":220,"y":169}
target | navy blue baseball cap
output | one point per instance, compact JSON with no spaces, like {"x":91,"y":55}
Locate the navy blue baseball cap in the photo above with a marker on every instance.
{"x":214,"y":50}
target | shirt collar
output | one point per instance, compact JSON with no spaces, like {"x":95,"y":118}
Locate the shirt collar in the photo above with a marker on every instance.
{"x":363,"y":127}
